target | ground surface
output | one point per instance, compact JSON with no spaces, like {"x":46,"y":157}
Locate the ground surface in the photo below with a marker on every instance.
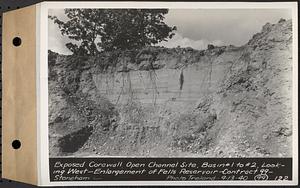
{"x":234,"y":101}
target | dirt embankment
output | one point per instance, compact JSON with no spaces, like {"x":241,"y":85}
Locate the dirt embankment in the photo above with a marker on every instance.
{"x":232,"y":101}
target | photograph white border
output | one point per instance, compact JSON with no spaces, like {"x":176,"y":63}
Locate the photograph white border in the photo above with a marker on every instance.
{"x":42,"y":83}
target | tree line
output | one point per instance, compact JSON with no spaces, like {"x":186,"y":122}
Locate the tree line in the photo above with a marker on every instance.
{"x":97,"y":30}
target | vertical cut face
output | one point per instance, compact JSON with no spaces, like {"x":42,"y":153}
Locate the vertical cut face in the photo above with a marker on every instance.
{"x":222,"y":101}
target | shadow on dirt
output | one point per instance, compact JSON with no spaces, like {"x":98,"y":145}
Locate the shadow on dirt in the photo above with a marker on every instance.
{"x":74,"y":141}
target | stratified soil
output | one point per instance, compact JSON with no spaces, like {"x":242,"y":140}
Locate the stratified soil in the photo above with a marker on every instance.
{"x":221,"y":102}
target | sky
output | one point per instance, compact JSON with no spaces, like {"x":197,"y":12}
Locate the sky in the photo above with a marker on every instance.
{"x":196,"y":28}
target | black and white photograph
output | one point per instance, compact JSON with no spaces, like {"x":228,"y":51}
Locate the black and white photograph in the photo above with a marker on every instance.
{"x":165,"y":82}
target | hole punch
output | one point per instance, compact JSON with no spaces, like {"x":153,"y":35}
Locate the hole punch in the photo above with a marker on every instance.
{"x":16,"y":144}
{"x":17,"y":41}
